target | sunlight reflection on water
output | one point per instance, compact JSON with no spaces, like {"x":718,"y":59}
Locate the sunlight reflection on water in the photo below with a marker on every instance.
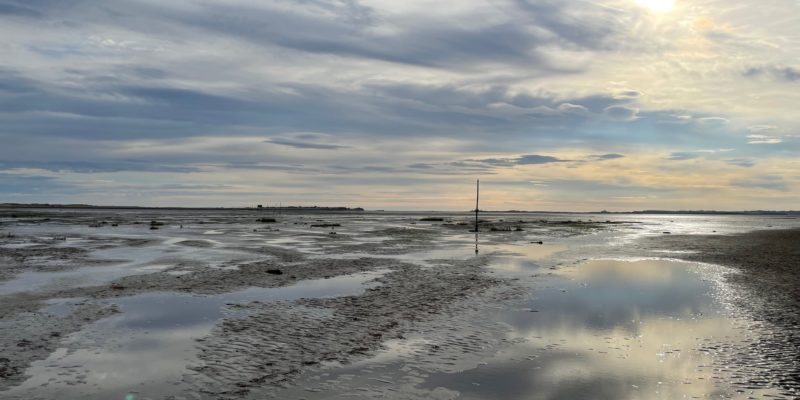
{"x":609,"y":329}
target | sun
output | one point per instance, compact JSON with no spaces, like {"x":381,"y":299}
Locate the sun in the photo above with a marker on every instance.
{"x":658,"y":6}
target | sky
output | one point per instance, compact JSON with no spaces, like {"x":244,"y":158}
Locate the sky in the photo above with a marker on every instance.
{"x":382,"y":104}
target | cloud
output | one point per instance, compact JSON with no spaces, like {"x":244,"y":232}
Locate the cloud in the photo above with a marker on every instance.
{"x":677,"y":119}
{"x":627,"y":94}
{"x":491,"y":164}
{"x":344,"y":31}
{"x":304,"y":145}
{"x":713,"y":121}
{"x":97,"y":166}
{"x":769,"y":182}
{"x":526,"y":159}
{"x":422,"y":166}
{"x":13,"y":8}
{"x":774,"y":72}
{"x":763,"y":139}
{"x":23,"y":184}
{"x":264,"y":166}
{"x":572,"y":108}
{"x":741,"y":162}
{"x":512,"y":32}
{"x":610,"y":156}
{"x":761,"y":128}
{"x":621,"y":113}
{"x":416,"y":92}
{"x":530,"y":159}
{"x":13,"y":83}
{"x":590,"y":27}
{"x":307,"y":140}
{"x":683,"y":155}
{"x":693,"y":154}
{"x":118,"y":108}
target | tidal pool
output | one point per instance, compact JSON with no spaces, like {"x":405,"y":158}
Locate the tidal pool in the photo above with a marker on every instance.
{"x":145,"y":350}
{"x":597,"y":329}
{"x":613,"y":329}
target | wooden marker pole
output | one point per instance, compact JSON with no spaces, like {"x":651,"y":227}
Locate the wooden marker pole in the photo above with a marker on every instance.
{"x":477,"y":197}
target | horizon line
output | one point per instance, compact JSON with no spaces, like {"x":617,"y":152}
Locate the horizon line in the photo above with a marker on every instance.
{"x":362,"y":209}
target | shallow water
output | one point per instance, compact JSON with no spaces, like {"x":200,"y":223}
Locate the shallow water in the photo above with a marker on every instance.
{"x":116,"y":262}
{"x":522,"y":258}
{"x":608,"y":329}
{"x":145,"y":350}
{"x":129,"y":261}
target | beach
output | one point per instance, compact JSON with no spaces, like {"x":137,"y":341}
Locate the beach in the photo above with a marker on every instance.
{"x":239,"y":304}
{"x":766,"y":275}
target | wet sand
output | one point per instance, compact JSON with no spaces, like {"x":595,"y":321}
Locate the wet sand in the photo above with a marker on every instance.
{"x":218,"y":305}
{"x":767,"y":282}
{"x":769,"y":260}
{"x":67,"y":260}
{"x":248,"y":352}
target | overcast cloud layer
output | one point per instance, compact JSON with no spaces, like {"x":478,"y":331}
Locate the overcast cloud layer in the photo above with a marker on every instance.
{"x":554,"y":105}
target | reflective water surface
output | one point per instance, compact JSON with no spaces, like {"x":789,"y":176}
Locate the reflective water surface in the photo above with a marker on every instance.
{"x":596,"y":329}
{"x":610,"y":329}
{"x":148,"y":346}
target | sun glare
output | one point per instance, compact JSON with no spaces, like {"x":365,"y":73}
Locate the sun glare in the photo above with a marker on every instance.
{"x":659,"y":6}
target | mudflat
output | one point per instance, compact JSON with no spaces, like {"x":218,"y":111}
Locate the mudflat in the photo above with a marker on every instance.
{"x":197,"y":304}
{"x":767,"y":278}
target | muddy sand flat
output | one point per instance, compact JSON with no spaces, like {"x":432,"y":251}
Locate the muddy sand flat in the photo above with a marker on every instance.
{"x":766,"y":278}
{"x":170,"y":304}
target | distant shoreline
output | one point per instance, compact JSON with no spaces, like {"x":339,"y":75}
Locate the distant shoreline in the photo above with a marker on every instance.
{"x":92,"y":207}
{"x":792,"y":213}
